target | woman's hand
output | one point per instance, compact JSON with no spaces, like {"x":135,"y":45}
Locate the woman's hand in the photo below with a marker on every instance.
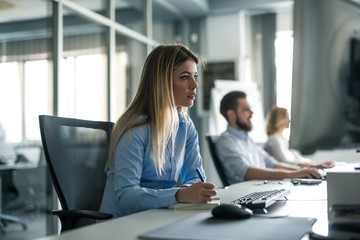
{"x":324,"y":165}
{"x":200,"y":192}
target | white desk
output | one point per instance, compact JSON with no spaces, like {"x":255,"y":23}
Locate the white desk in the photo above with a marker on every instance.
{"x":304,"y":201}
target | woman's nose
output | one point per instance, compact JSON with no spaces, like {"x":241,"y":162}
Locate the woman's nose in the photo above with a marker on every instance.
{"x":194,"y":84}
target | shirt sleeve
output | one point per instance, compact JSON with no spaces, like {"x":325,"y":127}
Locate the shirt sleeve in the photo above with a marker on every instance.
{"x":231,"y":159}
{"x":192,"y":159}
{"x":129,"y":160}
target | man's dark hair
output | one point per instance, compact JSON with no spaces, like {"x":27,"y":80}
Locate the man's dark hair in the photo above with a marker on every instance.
{"x":229,"y":102}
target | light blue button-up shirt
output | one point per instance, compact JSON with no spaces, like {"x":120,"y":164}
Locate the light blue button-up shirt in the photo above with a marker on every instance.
{"x":237,"y":152}
{"x":132,"y":184}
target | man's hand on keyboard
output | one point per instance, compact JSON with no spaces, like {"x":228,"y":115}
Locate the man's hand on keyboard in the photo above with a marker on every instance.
{"x":306,"y":173}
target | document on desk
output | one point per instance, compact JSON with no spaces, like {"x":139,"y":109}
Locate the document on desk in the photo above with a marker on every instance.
{"x":204,"y":226}
{"x":201,"y":206}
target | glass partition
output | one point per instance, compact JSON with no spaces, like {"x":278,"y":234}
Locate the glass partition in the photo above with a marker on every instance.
{"x":168,"y":27}
{"x":129,"y":59}
{"x":82,"y":86}
{"x":99,"y":73}
{"x":131,"y":14}
{"x":26,"y":76}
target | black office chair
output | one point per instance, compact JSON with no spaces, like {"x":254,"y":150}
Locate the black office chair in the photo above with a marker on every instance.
{"x":76,"y":152}
{"x":211,"y":139}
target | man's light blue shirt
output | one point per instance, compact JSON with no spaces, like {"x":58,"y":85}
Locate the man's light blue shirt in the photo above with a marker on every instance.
{"x":132,"y":184}
{"x":237,"y":152}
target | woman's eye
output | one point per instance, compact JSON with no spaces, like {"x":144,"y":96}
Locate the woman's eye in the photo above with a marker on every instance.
{"x":184,"y":77}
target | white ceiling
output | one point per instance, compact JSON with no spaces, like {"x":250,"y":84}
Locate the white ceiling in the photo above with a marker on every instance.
{"x":19,"y":10}
{"x":16,"y":10}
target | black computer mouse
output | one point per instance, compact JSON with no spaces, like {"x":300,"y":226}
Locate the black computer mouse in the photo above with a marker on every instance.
{"x":231,"y":211}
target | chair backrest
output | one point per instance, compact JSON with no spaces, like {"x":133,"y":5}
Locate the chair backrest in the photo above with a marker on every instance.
{"x":211,"y":139}
{"x":76,"y":152}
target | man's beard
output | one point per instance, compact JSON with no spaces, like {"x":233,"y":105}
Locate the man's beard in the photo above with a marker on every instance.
{"x":244,"y":126}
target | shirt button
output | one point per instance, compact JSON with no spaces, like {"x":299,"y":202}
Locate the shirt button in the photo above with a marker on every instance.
{"x":170,"y":202}
{"x":165,"y":202}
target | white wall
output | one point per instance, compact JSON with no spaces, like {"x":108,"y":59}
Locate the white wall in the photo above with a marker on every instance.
{"x":222,"y":37}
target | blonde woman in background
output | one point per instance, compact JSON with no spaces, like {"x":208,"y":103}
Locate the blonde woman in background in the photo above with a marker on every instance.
{"x":154,"y":141}
{"x":277,"y":120}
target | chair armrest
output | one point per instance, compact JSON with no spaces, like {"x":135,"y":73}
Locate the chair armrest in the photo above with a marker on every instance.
{"x":70,"y":218}
{"x":80,"y":213}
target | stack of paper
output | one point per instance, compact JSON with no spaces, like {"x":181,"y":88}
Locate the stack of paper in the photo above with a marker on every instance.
{"x":201,"y":206}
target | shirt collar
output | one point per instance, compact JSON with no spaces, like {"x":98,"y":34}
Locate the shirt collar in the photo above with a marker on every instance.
{"x":237,"y":133}
{"x":181,"y":117}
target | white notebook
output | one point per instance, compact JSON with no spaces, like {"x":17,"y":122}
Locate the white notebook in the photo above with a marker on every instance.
{"x":201,"y":206}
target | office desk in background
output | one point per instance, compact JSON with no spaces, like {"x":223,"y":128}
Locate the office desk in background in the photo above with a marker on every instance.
{"x":14,"y":166}
{"x":303,"y":201}
{"x":7,"y":167}
{"x":26,"y":160}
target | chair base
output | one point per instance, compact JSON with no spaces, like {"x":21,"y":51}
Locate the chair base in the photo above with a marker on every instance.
{"x":5,"y":219}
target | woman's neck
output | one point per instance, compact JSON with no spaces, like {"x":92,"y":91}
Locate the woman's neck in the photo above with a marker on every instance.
{"x":280,"y":131}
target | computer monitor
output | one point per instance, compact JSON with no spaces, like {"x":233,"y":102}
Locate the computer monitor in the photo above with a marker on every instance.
{"x":325,"y":111}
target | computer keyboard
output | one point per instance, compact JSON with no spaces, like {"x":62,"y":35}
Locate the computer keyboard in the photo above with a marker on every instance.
{"x":261,"y":199}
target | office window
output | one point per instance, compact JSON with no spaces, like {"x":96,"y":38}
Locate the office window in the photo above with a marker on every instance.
{"x":10,"y":101}
{"x":90,"y":87}
{"x":35,"y":96}
{"x":118,"y":86}
{"x":284,"y":60}
{"x":23,"y":96}
{"x":25,"y":38}
{"x":129,"y":60}
{"x":82,"y":87}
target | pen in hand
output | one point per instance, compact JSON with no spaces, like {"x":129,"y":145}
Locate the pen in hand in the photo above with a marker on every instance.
{"x":200,"y":175}
{"x":203,"y":180}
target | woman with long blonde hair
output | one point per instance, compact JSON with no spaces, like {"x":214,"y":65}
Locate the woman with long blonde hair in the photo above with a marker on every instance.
{"x":277,"y":120}
{"x":155,"y":142}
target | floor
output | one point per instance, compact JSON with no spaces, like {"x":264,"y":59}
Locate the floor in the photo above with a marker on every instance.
{"x":26,"y":195}
{"x":35,"y":222}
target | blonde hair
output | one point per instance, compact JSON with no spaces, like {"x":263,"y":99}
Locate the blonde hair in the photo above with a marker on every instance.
{"x":274,"y":119}
{"x":154,"y":100}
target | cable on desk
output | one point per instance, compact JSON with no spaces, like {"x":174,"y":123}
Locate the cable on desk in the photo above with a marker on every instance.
{"x":312,"y":200}
{"x":268,"y":182}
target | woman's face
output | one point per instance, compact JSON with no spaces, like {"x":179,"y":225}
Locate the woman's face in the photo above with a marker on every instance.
{"x":287,"y":120}
{"x":184,"y":84}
